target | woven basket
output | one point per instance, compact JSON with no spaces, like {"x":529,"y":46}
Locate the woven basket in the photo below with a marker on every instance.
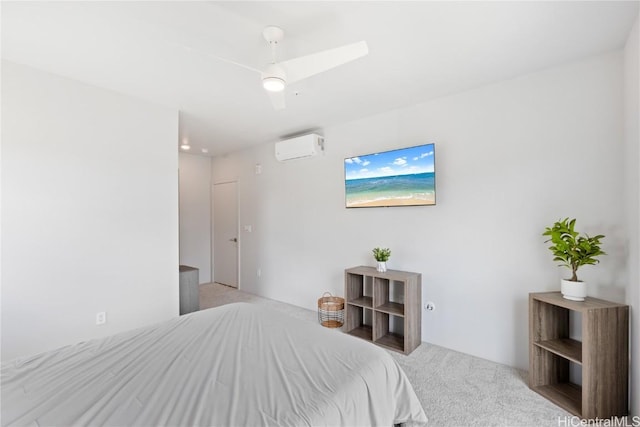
{"x":330,"y":311}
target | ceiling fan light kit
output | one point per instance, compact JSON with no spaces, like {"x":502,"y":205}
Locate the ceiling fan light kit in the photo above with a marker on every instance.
{"x":273,"y":84}
{"x":274,"y":78}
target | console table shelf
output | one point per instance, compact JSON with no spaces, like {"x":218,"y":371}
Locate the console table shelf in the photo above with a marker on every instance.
{"x":565,"y":347}
{"x":384,"y":308}
{"x":602,"y":355}
{"x":364,"y":332}
{"x":363,"y":302}
{"x":392,"y":308}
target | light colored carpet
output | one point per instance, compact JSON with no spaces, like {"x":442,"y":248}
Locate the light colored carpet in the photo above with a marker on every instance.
{"x":455,"y":389}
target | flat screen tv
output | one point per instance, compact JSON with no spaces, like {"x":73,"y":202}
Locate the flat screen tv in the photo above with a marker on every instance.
{"x":403,"y":177}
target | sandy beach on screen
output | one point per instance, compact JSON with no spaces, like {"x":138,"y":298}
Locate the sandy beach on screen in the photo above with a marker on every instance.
{"x":392,"y":202}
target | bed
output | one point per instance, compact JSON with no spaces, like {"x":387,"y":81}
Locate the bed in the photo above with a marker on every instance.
{"x":236,"y":365}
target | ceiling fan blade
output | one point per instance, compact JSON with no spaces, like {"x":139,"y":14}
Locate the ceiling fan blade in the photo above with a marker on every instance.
{"x":309,"y":65}
{"x":216,"y":57}
{"x":277,"y":100}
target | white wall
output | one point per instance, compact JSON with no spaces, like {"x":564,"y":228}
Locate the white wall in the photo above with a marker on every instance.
{"x":89,"y":211}
{"x":511,"y":158}
{"x":632,"y":196}
{"x":195,"y":214}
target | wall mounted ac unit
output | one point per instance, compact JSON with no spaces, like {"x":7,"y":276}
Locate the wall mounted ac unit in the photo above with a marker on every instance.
{"x":299,"y":147}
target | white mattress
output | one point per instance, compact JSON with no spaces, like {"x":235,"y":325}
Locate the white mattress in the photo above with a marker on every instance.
{"x":235,"y":365}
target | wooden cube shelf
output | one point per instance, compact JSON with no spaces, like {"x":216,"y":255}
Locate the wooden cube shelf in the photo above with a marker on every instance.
{"x":603,"y":354}
{"x":392,"y":300}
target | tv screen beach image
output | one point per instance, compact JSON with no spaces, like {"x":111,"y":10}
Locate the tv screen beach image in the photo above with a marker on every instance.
{"x":404,"y":177}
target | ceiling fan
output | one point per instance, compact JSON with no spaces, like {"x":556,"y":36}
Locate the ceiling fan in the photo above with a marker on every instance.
{"x":277,"y":75}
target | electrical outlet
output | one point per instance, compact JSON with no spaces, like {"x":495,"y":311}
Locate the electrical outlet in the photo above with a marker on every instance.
{"x":101,"y":318}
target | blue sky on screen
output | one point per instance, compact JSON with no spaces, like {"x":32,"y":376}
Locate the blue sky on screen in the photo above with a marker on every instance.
{"x":404,"y":161}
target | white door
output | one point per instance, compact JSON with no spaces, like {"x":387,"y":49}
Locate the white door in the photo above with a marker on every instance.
{"x":225,"y":233}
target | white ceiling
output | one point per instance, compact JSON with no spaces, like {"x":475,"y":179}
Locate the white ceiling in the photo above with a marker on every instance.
{"x":418,"y":50}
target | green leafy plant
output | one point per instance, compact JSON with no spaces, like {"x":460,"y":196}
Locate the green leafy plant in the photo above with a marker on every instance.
{"x":381,"y":255}
{"x":571,"y":249}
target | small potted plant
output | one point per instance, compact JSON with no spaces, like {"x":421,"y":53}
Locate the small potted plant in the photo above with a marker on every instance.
{"x":382,"y":256}
{"x":572,"y":250}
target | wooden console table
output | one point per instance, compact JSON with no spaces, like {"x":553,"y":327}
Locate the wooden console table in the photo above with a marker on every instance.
{"x":603,"y":354}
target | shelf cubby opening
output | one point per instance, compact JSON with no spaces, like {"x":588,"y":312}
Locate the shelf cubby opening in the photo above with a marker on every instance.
{"x":389,"y":331}
{"x":389,"y":296}
{"x":359,"y":290}
{"x":551,"y":322}
{"x":566,"y":395}
{"x":359,"y":322}
{"x":555,"y":383}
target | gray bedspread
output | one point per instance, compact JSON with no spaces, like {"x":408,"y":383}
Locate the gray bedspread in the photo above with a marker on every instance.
{"x":235,"y":365}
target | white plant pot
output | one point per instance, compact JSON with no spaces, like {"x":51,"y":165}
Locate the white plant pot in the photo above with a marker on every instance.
{"x":574,"y":291}
{"x":382,"y":266}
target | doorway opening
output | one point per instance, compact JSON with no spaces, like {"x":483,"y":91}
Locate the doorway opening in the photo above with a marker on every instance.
{"x":225,"y":252}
